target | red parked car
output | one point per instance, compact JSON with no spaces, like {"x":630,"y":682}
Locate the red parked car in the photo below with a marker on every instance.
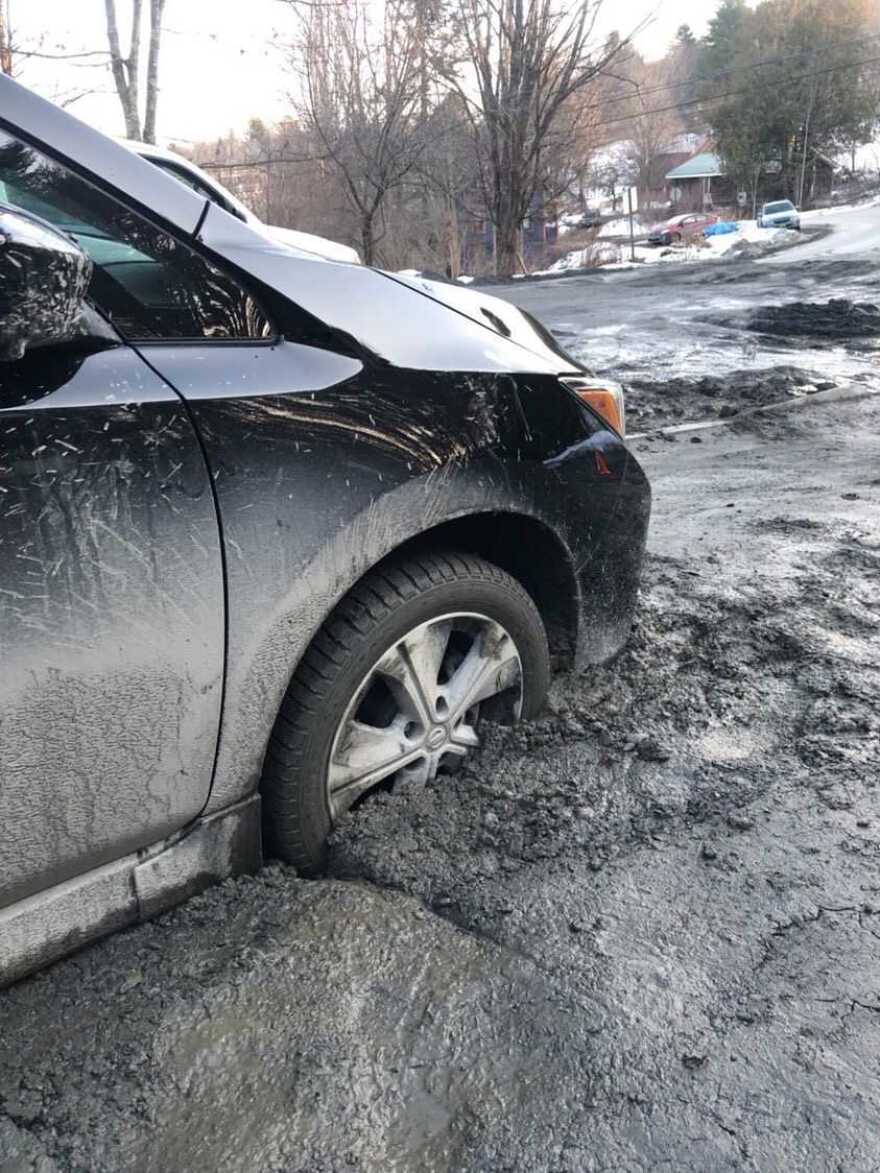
{"x":683,"y":227}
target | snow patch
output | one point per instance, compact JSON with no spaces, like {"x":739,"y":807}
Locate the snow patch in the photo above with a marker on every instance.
{"x":748,"y":238}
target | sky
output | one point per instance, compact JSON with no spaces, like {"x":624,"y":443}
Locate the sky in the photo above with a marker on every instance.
{"x":218,"y":70}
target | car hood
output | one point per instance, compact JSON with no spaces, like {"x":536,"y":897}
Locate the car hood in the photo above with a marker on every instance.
{"x":408,"y":322}
{"x":499,"y":315}
{"x":320,"y":246}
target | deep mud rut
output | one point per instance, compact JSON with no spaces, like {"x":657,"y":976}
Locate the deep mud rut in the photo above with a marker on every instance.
{"x":642,"y":933}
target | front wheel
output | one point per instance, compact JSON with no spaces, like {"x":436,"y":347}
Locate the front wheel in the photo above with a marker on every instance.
{"x":392,"y":690}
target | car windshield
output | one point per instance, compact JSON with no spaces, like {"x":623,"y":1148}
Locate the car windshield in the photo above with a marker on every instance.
{"x":779,"y":206}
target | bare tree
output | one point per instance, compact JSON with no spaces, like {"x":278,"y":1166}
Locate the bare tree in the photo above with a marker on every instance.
{"x":650,"y":131}
{"x":571,"y":147}
{"x":361,"y":96}
{"x":441,"y":199}
{"x":156,"y":10}
{"x":281,"y":173}
{"x":5,"y":39}
{"x":523,"y":63}
{"x":16,"y":53}
{"x":126,"y":67}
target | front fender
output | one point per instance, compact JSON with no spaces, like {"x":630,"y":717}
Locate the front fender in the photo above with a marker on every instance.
{"x":270,"y":629}
{"x":315,"y":487}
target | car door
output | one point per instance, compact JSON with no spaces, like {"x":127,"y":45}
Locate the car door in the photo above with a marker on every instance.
{"x":112,"y":621}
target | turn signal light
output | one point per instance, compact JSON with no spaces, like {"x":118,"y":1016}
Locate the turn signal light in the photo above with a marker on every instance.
{"x":606,"y":400}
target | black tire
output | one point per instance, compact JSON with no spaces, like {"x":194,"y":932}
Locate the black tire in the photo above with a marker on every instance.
{"x":378,"y":612}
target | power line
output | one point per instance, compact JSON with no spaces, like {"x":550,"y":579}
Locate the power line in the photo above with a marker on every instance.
{"x":674,"y":85}
{"x":243,"y":164}
{"x":736,"y":93}
{"x":635,"y":94}
{"x":262,"y":162}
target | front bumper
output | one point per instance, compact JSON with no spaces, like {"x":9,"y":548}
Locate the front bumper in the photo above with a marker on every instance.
{"x":604,"y":522}
{"x":611,"y":570}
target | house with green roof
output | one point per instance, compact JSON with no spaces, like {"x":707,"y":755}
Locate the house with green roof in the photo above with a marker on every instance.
{"x":700,"y":182}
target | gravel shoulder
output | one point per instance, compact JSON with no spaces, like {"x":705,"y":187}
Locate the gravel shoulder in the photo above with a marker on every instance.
{"x":640,"y":933}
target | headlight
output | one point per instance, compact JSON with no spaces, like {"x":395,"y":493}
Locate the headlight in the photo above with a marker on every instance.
{"x":604,"y":396}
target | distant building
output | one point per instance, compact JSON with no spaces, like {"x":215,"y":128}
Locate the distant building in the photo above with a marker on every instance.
{"x":700,"y":183}
{"x":654,"y":187}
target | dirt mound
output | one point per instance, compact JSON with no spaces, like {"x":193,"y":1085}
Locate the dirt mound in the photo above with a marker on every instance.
{"x":674,"y":401}
{"x":837,"y":318}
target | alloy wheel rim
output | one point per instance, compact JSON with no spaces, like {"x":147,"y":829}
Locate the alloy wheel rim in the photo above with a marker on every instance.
{"x":415,"y":712}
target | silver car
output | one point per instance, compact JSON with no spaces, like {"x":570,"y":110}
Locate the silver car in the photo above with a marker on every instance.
{"x":779,"y":214}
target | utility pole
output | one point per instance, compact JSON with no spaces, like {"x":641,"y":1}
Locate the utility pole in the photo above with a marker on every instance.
{"x":5,"y":39}
{"x":632,"y":240}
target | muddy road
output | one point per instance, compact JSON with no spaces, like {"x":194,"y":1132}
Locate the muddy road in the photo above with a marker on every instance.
{"x":641,"y":933}
{"x":703,"y":341}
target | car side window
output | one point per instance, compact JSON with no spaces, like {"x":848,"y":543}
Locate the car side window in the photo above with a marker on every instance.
{"x":150,"y":285}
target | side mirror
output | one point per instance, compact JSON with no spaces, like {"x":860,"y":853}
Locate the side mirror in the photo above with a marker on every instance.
{"x":44,"y":276}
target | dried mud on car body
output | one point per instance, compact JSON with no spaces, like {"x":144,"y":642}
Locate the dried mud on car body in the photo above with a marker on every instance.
{"x":641,"y":933}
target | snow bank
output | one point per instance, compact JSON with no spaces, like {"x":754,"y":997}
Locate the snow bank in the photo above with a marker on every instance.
{"x":600,"y":253}
{"x":620,"y":227}
{"x":747,"y":240}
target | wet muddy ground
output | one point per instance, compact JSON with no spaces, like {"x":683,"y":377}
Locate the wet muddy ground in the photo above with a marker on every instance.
{"x":676,"y":400}
{"x":703,"y":342}
{"x":641,"y":933}
{"x":851,"y":330}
